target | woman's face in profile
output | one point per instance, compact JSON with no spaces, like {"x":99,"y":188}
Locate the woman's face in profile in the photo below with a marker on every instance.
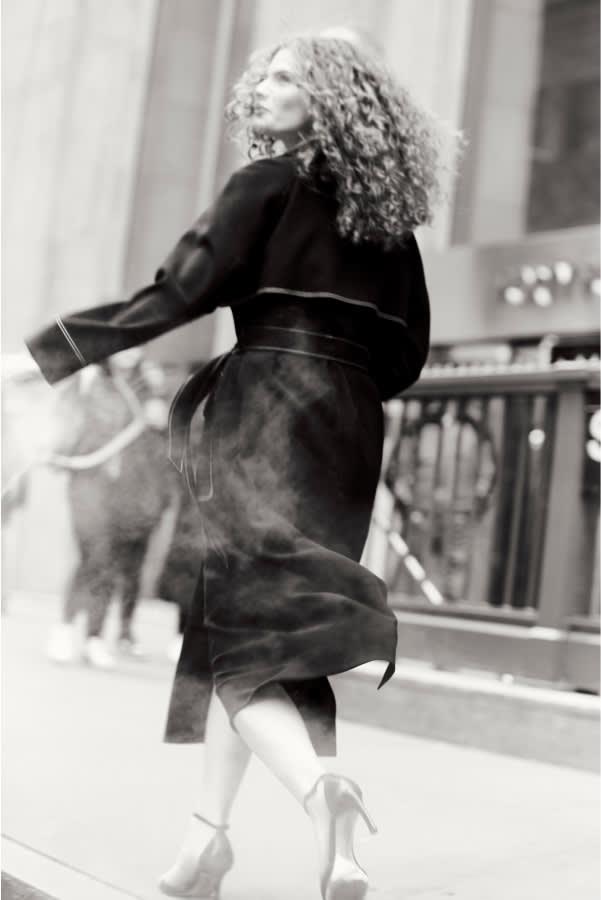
{"x":281,"y":106}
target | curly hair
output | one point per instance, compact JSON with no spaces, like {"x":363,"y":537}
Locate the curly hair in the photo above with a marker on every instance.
{"x":382,"y":152}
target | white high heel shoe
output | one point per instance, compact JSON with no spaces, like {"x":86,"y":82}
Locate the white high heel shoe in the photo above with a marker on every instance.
{"x":342,"y":877}
{"x":215,"y":861}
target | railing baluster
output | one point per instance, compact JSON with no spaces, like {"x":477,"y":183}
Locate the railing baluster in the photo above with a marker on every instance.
{"x":527,"y":500}
{"x":391,"y":464}
{"x":588,"y":561}
{"x":594,"y":607}
{"x":456,"y":526}
{"x":436,"y":560}
{"x":540,"y":439}
{"x":559,"y":555}
{"x":483,"y":484}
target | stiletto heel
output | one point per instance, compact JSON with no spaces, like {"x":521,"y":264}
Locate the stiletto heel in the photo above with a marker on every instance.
{"x":342,"y":877}
{"x":213,"y":864}
{"x":367,"y":818}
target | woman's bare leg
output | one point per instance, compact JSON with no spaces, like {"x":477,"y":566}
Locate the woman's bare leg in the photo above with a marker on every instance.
{"x":225,"y":762}
{"x":274,"y":730}
{"x":271,"y":727}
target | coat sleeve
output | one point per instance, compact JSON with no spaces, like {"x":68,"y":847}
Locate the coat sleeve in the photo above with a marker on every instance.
{"x":212,"y":265}
{"x":402,"y":350}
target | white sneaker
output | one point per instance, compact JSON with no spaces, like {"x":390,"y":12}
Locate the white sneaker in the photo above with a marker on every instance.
{"x":175,"y":648}
{"x":129,"y":647}
{"x":61,"y":643}
{"x":96,"y":654}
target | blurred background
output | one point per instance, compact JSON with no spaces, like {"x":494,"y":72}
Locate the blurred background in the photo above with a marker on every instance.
{"x":114,"y":141}
{"x":486,"y":526}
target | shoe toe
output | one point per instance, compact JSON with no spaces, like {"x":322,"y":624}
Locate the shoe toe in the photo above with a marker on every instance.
{"x":97,"y":655}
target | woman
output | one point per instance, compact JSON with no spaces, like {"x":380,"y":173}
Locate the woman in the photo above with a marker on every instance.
{"x":311,"y":246}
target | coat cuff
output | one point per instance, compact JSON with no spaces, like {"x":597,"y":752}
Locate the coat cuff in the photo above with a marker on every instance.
{"x":55,"y":352}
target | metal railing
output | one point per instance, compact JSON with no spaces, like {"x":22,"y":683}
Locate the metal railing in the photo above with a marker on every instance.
{"x":489,"y":503}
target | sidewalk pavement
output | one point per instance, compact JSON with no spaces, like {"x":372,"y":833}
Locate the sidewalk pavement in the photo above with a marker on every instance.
{"x":94,"y":804}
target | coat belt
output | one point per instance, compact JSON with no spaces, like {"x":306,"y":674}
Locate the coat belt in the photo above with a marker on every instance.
{"x":199,"y":386}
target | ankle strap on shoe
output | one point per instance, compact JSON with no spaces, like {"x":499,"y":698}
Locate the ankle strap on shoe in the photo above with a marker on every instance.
{"x":212,"y":824}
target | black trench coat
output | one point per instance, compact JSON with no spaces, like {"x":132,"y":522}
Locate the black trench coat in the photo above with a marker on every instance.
{"x":295,"y":440}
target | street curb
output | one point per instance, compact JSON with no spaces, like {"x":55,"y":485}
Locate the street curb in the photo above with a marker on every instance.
{"x":14,"y":889}
{"x":558,"y":727}
{"x":47,"y":878}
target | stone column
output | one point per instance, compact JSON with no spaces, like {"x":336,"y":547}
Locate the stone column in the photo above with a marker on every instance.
{"x":503,"y":81}
{"x":179,"y":148}
{"x":74,"y":86}
{"x":277,"y":19}
{"x":426,"y":44}
{"x":75,"y":79}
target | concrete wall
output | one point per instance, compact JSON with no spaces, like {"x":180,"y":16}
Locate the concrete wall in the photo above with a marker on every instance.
{"x":177,"y":142}
{"x":464,"y":287}
{"x":74,"y":88}
{"x":75,"y":79}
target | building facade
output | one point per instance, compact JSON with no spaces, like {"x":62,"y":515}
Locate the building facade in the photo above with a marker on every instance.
{"x":115,"y":141}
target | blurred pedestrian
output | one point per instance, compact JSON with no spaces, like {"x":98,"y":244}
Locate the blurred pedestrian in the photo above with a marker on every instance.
{"x":311,"y":246}
{"x":116,"y":498}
